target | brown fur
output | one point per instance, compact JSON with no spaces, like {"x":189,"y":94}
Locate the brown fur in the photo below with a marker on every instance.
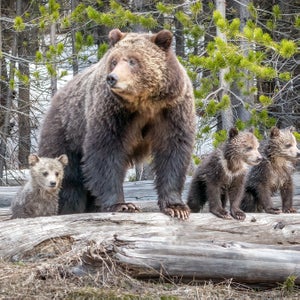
{"x":273,"y":174}
{"x":39,"y":196}
{"x":136,"y":101}
{"x":221,"y":175}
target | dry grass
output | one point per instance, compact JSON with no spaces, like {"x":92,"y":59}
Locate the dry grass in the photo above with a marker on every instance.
{"x":54,"y":271}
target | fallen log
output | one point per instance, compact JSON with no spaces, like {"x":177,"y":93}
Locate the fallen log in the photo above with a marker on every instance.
{"x":262,"y":249}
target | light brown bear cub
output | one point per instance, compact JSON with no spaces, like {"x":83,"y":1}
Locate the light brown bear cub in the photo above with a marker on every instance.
{"x":39,"y":196}
{"x":274,"y":173}
{"x":221,"y":176}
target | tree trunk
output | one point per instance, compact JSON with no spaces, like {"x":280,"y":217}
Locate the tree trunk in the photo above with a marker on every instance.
{"x":75,"y":67}
{"x":24,"y":113}
{"x":226,"y":114}
{"x":53,"y":43}
{"x":262,"y":249}
{"x":179,"y":37}
{"x":7,"y":114}
{"x":240,"y":99}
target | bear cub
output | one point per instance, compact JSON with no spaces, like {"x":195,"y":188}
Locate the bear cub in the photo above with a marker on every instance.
{"x":39,"y":196}
{"x":273,"y":174}
{"x":221,"y":175}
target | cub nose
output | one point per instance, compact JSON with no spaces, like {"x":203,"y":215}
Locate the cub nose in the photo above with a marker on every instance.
{"x":52,"y":183}
{"x":112,"y":79}
{"x":259,"y":159}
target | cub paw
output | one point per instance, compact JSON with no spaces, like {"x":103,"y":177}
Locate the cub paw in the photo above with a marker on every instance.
{"x":124,"y":207}
{"x":273,"y":210}
{"x":289,"y":210}
{"x":221,"y":213}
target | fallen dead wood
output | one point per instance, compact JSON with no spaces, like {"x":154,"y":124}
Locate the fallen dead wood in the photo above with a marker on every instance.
{"x":263,"y":248}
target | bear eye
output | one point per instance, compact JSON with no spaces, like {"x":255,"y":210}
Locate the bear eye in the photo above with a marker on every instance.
{"x":249,"y":148}
{"x":288,"y":146}
{"x":113,"y":63}
{"x":45,"y":174}
{"x":56,"y":174}
{"x":132,"y":62}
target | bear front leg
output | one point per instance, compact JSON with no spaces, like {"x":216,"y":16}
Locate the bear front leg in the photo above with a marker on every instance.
{"x":171,"y":159}
{"x":104,"y":166}
{"x":235,"y":193}
{"x":214,"y":197}
{"x":264,"y":199}
{"x":286,"y":192}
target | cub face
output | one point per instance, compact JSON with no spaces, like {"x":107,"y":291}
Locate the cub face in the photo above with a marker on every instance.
{"x":47,"y":172}
{"x":284,"y":143}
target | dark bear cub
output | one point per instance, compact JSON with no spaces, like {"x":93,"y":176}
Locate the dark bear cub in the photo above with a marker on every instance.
{"x":272,"y":174}
{"x":221,"y":176}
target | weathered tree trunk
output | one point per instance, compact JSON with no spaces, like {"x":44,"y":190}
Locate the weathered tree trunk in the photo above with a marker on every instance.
{"x":240,"y":98}
{"x":262,"y":249}
{"x":75,"y":66}
{"x":7,"y":113}
{"x":226,"y":114}
{"x":53,"y":43}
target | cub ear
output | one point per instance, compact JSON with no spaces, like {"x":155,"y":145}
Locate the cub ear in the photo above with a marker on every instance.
{"x":33,"y":159}
{"x":274,"y":132}
{"x":63,"y":159}
{"x":233,"y":132}
{"x":163,"y":39}
{"x":292,"y":129}
{"x":114,"y":36}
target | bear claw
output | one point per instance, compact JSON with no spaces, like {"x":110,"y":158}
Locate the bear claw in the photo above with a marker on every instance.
{"x":124,"y":207}
{"x":177,"y":211}
{"x":289,"y":210}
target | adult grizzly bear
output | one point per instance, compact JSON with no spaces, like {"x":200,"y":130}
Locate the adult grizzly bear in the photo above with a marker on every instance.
{"x":136,"y":101}
{"x":221,"y":176}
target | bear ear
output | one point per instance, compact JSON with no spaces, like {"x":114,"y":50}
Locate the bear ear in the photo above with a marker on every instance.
{"x":251,"y":130}
{"x":114,"y":36}
{"x":163,"y":39}
{"x":63,"y":159}
{"x":33,"y":159}
{"x":275,"y":132}
{"x":233,"y":132}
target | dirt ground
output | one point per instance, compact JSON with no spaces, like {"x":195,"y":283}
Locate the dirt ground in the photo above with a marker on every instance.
{"x":39,"y":276}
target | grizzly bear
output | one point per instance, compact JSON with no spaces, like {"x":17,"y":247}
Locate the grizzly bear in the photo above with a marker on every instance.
{"x":135,"y":102}
{"x":221,"y":175}
{"x":272,"y":174}
{"x":39,"y":196}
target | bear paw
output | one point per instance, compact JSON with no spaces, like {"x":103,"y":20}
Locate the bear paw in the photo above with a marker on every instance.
{"x":273,"y":210}
{"x":238,"y":214}
{"x":177,"y":211}
{"x":289,"y":210}
{"x":124,"y":207}
{"x":221,"y":213}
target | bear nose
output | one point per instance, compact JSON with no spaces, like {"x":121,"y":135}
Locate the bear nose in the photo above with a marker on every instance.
{"x":52,"y":183}
{"x":259,"y":159}
{"x":112,"y":79}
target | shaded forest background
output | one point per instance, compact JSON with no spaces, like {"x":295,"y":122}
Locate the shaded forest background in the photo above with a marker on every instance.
{"x":242,"y":56}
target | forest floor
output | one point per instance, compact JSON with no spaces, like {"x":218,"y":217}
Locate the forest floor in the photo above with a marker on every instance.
{"x":50,"y":279}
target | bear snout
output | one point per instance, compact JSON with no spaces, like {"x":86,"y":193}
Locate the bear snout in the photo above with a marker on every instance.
{"x":259,"y":159}
{"x":52,"y":183}
{"x":112,"y":79}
